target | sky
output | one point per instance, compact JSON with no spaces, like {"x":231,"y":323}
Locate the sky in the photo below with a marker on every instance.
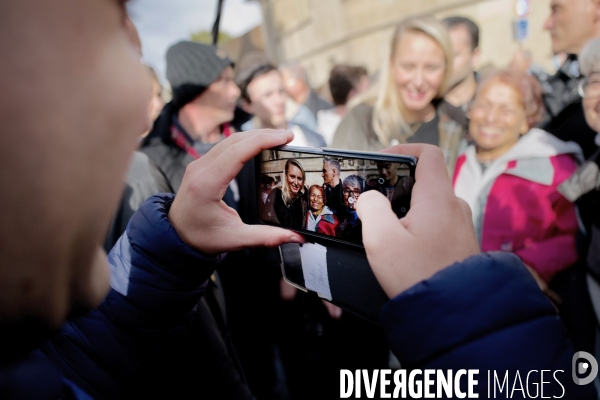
{"x":162,"y":23}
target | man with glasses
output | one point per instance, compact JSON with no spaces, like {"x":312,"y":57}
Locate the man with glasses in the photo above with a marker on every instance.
{"x":352,"y":187}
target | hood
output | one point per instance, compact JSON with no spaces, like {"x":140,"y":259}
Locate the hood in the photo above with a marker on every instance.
{"x":538,"y":143}
{"x":529,"y":159}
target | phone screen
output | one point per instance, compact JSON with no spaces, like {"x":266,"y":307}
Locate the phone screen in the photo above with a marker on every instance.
{"x":316,"y":193}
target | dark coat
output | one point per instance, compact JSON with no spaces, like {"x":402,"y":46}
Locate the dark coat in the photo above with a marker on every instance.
{"x":564,"y":117}
{"x":290,"y":216}
{"x":484,"y":313}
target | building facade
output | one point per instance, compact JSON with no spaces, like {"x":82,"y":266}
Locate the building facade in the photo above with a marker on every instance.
{"x":321,"y":33}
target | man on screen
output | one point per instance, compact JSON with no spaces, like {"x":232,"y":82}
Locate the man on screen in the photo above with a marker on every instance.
{"x":396,"y":188}
{"x":332,"y":185}
{"x":351,"y":227}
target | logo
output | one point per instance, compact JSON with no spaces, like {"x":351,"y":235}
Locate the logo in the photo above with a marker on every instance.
{"x":580,"y":367}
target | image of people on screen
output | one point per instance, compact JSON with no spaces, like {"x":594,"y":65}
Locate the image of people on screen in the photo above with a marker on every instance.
{"x":320,"y":218}
{"x":289,"y":203}
{"x":352,"y":187}
{"x":395,"y":187}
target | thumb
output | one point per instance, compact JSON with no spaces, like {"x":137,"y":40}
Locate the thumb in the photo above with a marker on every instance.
{"x":380,"y":224}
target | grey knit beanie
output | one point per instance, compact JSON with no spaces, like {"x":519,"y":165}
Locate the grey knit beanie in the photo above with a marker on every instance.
{"x":191,"y":68}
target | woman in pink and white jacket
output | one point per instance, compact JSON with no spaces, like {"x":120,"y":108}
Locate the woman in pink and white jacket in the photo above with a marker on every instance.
{"x":510,"y":174}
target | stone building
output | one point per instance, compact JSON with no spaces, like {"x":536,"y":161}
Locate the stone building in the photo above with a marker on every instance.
{"x":320,"y":33}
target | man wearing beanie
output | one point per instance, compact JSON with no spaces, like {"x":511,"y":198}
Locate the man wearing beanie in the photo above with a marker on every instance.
{"x":203,"y":104}
{"x":204,"y":100}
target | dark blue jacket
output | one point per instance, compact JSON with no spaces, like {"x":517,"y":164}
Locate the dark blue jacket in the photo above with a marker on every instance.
{"x":117,"y":349}
{"x":485,"y":313}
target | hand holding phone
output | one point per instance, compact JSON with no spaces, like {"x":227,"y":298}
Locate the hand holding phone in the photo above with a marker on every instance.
{"x":315,"y":192}
{"x":198,"y":213}
{"x":437,"y":231}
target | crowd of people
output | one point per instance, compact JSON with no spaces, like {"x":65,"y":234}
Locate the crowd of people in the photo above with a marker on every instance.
{"x":190,"y":300}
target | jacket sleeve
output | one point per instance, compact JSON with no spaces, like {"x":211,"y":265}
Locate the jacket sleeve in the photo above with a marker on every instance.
{"x":156,"y":283}
{"x":485,"y":313}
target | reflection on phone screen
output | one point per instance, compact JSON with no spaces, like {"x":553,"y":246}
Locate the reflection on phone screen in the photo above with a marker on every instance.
{"x":317,"y":194}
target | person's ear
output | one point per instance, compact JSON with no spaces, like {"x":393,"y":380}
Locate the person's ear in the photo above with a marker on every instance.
{"x":524,"y":127}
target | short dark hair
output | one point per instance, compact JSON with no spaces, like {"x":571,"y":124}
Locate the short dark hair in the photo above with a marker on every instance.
{"x":332,"y":162}
{"x":246,"y":77}
{"x":472,"y":28}
{"x":342,"y":79}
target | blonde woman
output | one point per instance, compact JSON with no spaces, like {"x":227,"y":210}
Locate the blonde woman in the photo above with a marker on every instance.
{"x":408,"y":107}
{"x":291,"y":202}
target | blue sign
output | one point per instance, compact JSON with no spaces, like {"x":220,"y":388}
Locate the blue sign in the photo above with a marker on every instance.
{"x":521,"y":29}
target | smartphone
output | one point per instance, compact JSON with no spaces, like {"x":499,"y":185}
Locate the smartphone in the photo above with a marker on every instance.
{"x":314,"y":191}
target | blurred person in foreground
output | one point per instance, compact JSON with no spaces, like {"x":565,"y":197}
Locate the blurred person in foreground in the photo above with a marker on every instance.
{"x":143,"y":178}
{"x":53,"y":266}
{"x":54,"y":269}
{"x":345,"y":83}
{"x":464,"y":35}
{"x":509,"y":177}
{"x":409,"y":107}
{"x":263,"y":96}
{"x":571,"y":24}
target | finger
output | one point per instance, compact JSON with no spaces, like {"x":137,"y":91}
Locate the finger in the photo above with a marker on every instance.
{"x":381,"y":232}
{"x":468,"y":216}
{"x":466,"y":210}
{"x":237,"y":137}
{"x":431,"y":175}
{"x":379,"y":222}
{"x":334,"y":311}
{"x":263,"y":236}
{"x":231,"y":160}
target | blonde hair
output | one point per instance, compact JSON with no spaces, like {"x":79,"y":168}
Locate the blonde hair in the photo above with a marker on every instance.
{"x":387,"y":114}
{"x":286,"y":194}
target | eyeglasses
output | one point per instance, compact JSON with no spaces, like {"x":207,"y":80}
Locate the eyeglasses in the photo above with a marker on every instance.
{"x":353,"y":192}
{"x":589,"y":87}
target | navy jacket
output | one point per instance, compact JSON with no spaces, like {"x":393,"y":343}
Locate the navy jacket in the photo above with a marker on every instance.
{"x":485,"y":313}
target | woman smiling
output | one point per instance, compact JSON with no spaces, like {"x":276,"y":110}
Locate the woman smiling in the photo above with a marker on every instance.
{"x":509,"y":177}
{"x":290,"y":203}
{"x":409,"y":106}
{"x":320,"y":218}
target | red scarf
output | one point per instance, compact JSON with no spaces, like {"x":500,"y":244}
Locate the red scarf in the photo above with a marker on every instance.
{"x":183,"y":141}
